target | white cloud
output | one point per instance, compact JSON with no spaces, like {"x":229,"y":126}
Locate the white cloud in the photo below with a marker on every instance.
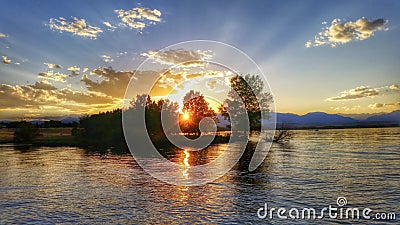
{"x":356,"y":93}
{"x":394,"y":87}
{"x":6,"y":60}
{"x":74,"y":68}
{"x":139,"y":18}
{"x":50,"y":75}
{"x":76,"y":26}
{"x":346,"y":108}
{"x":343,"y":32}
{"x":108,"y":24}
{"x":53,"y":66}
{"x":107,"y":58}
{"x":187,"y":58}
{"x":2,"y":35}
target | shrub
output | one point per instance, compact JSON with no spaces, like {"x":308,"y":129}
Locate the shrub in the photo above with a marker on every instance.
{"x":26,"y":132}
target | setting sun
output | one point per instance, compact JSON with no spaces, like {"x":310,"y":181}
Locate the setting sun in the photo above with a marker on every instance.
{"x":185,"y":116}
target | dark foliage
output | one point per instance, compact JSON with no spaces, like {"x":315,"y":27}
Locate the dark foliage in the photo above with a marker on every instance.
{"x":101,"y":130}
{"x":249,"y":90}
{"x":196,"y":108}
{"x":26,"y":132}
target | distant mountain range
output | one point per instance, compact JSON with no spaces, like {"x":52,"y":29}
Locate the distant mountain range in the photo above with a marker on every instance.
{"x":320,"y":119}
{"x":63,"y":119}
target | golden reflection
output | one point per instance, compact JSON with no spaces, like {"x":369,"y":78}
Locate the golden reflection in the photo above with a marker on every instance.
{"x":186,"y":159}
{"x":186,"y":163}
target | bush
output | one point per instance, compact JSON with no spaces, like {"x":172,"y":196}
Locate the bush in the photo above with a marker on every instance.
{"x":26,"y":132}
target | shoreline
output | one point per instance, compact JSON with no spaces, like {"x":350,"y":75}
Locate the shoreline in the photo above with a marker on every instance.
{"x":58,"y":137}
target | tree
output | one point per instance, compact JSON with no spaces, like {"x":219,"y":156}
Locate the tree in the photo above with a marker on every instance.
{"x":102,"y":130}
{"x":191,"y":94}
{"x":197,"y":108}
{"x":249,"y":90}
{"x":26,"y":132}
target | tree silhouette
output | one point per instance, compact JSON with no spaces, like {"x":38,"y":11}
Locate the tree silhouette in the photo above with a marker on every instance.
{"x":26,"y":132}
{"x":249,"y":90}
{"x":197,"y":108}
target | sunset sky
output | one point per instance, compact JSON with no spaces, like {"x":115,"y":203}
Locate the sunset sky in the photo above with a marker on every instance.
{"x":62,"y":58}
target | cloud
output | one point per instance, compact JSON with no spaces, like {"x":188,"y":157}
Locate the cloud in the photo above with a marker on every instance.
{"x":6,"y":60}
{"x":80,"y":97}
{"x":107,"y":58}
{"x":187,"y":58}
{"x":394,"y":87}
{"x":44,"y":95}
{"x":74,"y":68}
{"x":346,"y":108}
{"x":173,"y":80}
{"x":382,"y":105}
{"x":2,"y":35}
{"x":113,"y":84}
{"x":139,"y":18}
{"x":74,"y":71}
{"x":356,"y":93}
{"x":53,"y":66}
{"x":343,"y":32}
{"x":50,"y":75}
{"x":108,"y":24}
{"x":76,"y":26}
{"x":73,"y":74}
{"x":25,"y":96}
{"x":43,"y":85}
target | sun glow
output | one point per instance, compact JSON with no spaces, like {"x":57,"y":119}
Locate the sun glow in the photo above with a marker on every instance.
{"x":185,"y":116}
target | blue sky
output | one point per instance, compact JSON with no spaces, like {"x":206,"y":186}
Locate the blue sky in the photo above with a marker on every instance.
{"x":355,"y":76}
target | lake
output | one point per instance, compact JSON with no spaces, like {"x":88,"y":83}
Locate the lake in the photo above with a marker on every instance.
{"x":71,"y":185}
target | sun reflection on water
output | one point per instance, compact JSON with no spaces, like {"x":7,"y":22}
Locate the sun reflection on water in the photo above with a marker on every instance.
{"x":186,"y":164}
{"x":186,"y":159}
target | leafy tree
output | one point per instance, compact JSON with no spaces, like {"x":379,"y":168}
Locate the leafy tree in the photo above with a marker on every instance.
{"x":249,"y":90}
{"x":103,"y":129}
{"x":191,"y":94}
{"x":26,"y":132}
{"x":197,"y":108}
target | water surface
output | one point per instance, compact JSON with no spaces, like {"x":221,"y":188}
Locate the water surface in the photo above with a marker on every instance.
{"x":71,"y":185}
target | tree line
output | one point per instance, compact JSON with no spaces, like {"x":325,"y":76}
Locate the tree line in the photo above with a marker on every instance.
{"x":105,"y":129}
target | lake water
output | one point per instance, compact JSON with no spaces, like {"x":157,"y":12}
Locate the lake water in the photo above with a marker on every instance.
{"x":70,"y":185}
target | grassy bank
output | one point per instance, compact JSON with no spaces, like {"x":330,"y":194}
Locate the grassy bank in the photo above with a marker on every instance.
{"x":48,"y":137}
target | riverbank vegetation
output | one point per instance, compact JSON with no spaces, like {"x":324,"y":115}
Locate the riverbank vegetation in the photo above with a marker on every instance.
{"x":105,"y":130}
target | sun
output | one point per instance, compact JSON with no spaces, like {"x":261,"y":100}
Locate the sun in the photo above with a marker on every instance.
{"x":185,"y":116}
